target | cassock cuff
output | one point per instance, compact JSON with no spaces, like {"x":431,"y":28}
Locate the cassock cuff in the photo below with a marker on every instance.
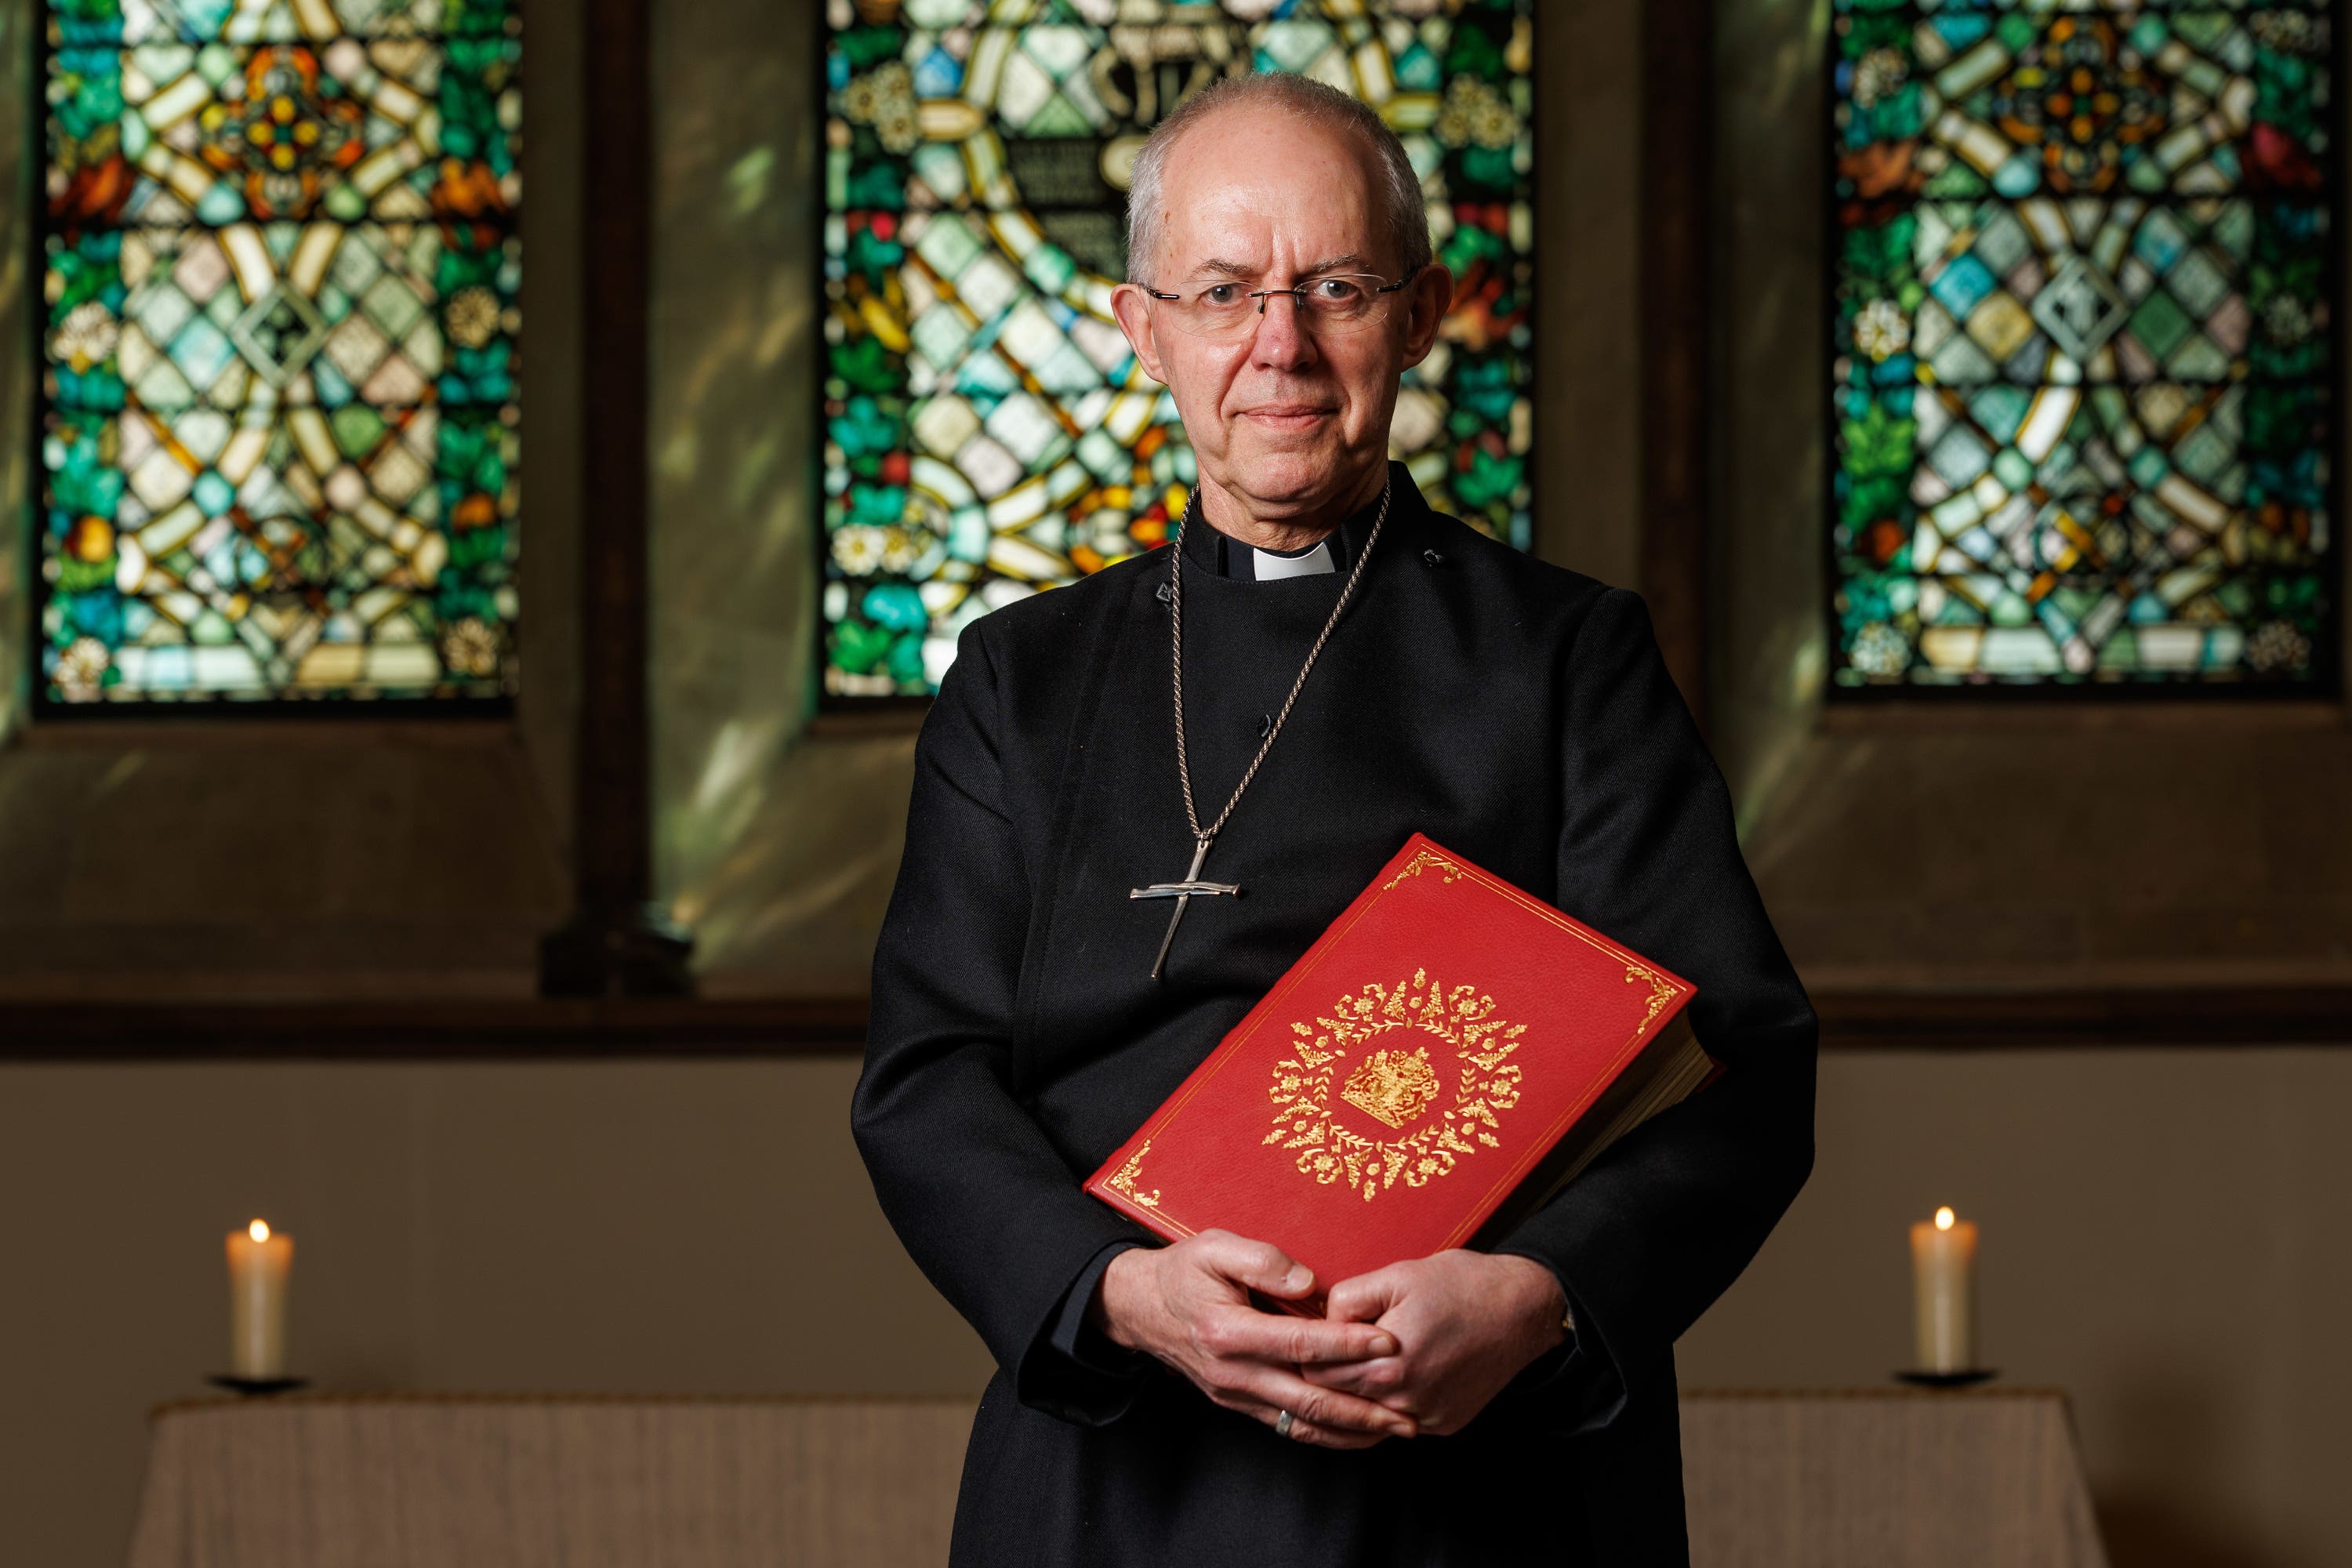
{"x":1074,"y":1335}
{"x":1576,"y":1381}
{"x":1075,"y":1371}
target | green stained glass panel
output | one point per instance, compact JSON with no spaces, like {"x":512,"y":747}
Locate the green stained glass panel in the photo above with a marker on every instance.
{"x":2082,"y":305}
{"x":989,"y":432}
{"x":281,"y":413}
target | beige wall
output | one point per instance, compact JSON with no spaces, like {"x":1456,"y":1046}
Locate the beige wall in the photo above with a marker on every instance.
{"x":2163,"y":1239}
{"x":2162,"y":1227}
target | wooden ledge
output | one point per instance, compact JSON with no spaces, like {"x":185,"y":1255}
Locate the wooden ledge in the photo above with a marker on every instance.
{"x":2251,"y":1015}
{"x":334,"y":726}
{"x":437,"y":1030}
{"x":888,"y":718}
{"x":2037,"y":709}
{"x":775,"y":1027}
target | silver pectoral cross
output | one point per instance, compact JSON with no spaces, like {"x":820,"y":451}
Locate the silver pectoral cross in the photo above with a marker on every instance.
{"x":1183,"y":893}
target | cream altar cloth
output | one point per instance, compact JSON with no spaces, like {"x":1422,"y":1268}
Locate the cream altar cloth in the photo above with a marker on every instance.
{"x":1800,"y":1479}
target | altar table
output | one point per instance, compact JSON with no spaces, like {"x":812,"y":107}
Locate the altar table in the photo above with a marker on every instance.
{"x":1794,"y":1479}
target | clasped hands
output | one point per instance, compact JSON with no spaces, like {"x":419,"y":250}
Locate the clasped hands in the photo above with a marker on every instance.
{"x":1417,"y":1347}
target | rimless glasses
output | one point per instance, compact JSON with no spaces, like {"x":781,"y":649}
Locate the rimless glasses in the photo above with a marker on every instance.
{"x":1335,"y":304}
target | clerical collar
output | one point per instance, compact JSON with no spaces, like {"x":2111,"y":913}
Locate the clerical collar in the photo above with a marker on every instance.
{"x":1229,"y":557}
{"x":1272,"y":565}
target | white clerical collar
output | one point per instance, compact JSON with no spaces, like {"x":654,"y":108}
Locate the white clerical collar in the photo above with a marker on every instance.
{"x":1268,"y":566}
{"x":1229,"y":557}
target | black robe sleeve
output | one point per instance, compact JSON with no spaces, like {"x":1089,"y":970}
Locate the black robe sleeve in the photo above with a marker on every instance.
{"x":1659,"y":1226}
{"x":986,"y":1206}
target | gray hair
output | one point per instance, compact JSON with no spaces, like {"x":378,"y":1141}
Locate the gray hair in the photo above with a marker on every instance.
{"x":1400,"y":187}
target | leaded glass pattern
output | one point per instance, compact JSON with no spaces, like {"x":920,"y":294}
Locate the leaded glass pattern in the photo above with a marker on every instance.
{"x":2082,"y":325}
{"x":989,"y":432}
{"x":280,"y":410}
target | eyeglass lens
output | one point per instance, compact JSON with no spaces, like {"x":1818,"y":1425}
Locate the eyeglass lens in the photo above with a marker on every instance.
{"x":1230,"y":310}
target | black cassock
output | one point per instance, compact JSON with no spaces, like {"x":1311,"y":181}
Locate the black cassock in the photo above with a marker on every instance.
{"x":1518,"y":714}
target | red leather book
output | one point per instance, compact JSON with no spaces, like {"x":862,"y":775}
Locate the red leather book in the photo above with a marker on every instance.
{"x":1448,"y":1055}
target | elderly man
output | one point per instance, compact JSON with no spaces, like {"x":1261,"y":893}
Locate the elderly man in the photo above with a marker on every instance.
{"x":1320,"y":666}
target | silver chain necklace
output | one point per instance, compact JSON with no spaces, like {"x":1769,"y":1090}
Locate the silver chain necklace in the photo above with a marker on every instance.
{"x":1184,"y":891}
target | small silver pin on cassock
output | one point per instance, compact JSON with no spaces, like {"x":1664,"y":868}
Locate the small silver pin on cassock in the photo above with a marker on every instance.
{"x":1183,"y":893}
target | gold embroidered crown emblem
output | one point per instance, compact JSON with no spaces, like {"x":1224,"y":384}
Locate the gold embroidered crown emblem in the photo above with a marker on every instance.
{"x":1393,"y":1087}
{"x":1397,"y":1087}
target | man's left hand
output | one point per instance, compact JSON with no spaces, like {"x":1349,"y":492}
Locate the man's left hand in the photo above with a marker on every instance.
{"x":1468,"y":1322}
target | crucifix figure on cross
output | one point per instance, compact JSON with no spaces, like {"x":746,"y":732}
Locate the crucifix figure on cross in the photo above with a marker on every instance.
{"x":1183,"y":893}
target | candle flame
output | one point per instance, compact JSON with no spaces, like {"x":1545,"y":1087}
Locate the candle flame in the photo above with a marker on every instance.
{"x":1944,"y":1217}
{"x":259,"y":1229}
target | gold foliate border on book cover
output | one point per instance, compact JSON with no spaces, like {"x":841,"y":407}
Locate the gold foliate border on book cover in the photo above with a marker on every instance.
{"x":1421,"y":861}
{"x":1662,"y":991}
{"x":1123,"y":1180}
{"x":1381,"y":1040}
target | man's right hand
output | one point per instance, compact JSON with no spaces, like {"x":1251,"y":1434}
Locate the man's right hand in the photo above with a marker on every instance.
{"x":1188,"y":1306}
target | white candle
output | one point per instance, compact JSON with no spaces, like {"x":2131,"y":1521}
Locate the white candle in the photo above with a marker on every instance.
{"x":258,"y":1267}
{"x":1943,"y":1277}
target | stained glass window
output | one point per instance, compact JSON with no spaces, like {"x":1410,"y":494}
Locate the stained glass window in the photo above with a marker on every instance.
{"x":280,"y":414}
{"x":2083,"y":296}
{"x":989,"y":432}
